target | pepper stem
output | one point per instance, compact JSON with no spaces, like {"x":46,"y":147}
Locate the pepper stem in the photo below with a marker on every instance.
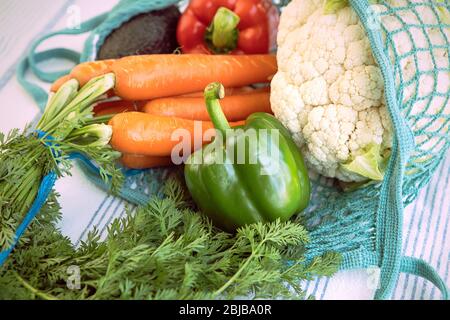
{"x":213,"y":93}
{"x":222,"y":35}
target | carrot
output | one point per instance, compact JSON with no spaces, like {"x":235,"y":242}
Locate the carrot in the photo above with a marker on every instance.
{"x":147,"y":134}
{"x":115,"y":106}
{"x":235,"y":107}
{"x":88,"y":70}
{"x":59,"y":82}
{"x":156,"y":76}
{"x":164,"y":75}
{"x":136,"y":161}
{"x":84,"y":72}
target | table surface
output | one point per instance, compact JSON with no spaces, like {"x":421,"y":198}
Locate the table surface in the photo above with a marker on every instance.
{"x":426,"y":224}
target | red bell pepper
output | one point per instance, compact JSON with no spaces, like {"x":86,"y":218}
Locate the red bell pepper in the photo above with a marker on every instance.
{"x":228,"y":26}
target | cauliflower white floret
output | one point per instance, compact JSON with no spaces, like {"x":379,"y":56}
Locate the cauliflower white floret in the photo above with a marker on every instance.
{"x":329,"y":91}
{"x":368,"y":130}
{"x":360,"y":88}
{"x":327,"y":130}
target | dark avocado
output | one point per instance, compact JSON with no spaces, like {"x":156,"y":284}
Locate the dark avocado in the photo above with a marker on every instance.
{"x":148,"y":33}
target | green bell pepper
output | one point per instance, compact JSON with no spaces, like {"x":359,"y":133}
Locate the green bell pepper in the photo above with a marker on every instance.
{"x":247,"y":174}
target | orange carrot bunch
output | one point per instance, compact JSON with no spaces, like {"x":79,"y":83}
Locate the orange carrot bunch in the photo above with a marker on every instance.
{"x":162,"y":93}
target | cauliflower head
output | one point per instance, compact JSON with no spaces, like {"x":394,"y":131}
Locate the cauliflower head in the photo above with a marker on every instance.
{"x":329,"y":91}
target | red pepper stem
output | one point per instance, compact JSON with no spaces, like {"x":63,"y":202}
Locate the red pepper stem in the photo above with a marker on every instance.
{"x":213,"y":93}
{"x":222,"y":35}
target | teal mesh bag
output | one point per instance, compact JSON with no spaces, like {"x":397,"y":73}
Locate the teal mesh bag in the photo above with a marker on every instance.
{"x":364,"y":225}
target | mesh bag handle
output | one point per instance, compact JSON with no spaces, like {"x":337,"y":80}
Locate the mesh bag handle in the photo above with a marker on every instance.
{"x":390,"y":205}
{"x":71,"y":55}
{"x":44,"y":191}
{"x":389,"y":220}
{"x":422,"y":269}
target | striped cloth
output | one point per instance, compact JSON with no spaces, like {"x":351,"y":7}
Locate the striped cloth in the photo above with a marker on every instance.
{"x":427,"y":220}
